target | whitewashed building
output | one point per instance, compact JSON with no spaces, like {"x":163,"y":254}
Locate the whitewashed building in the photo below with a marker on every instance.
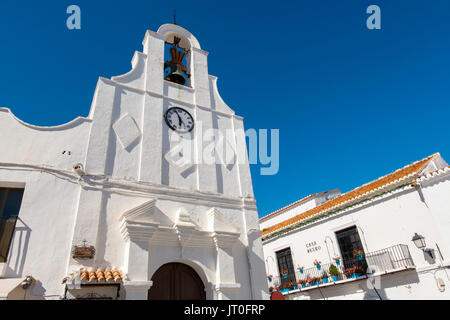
{"x":388,"y":239}
{"x":101,"y":207}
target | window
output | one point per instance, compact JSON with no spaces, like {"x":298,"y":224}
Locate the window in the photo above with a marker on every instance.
{"x":350,"y":243}
{"x":285,"y":263}
{"x":10,"y":201}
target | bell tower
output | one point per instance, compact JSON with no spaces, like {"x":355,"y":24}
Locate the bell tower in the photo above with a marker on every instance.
{"x":199,"y":212}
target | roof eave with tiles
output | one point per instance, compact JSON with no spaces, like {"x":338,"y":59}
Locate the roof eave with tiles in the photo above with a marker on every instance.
{"x":401,"y":176}
{"x":95,"y":276}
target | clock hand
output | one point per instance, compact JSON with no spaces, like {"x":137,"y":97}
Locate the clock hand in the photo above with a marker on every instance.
{"x":180,"y":121}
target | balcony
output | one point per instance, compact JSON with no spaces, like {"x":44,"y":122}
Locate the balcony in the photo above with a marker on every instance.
{"x":389,"y":260}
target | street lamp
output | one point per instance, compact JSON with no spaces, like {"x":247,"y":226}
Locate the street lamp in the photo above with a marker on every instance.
{"x":420,"y":243}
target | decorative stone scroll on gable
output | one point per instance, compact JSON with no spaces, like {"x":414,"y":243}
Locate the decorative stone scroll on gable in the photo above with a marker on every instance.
{"x":218,"y":223}
{"x":223,"y":231}
{"x":147,"y":223}
{"x":139,"y":223}
{"x":189,"y":234}
{"x":184,"y":220}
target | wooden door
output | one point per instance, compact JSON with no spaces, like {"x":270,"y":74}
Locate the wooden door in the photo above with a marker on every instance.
{"x":176,"y":281}
{"x":284,"y":258}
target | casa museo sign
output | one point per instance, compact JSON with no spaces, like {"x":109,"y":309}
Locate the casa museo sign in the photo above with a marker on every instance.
{"x":312,"y":247}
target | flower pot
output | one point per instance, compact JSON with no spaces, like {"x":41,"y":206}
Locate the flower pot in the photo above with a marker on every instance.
{"x":359,"y":256}
{"x":303,"y":285}
{"x":318,"y":267}
{"x":357,"y":275}
{"x":270,"y":279}
{"x":301,"y":270}
{"x":338,"y":262}
{"x":284,"y":290}
{"x":325,"y":280}
{"x":295,"y":287}
{"x":351,"y":276}
{"x":285,"y":275}
{"x":335,"y":278}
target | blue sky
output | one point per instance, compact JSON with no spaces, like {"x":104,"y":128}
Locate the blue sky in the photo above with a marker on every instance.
{"x":351,"y":104}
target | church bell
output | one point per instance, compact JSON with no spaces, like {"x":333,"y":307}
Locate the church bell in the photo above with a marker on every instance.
{"x":176,"y":75}
{"x":177,"y":68}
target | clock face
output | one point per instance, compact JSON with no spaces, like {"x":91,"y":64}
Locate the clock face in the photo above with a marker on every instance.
{"x":179,"y":120}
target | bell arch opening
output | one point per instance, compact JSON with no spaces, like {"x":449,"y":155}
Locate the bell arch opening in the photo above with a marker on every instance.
{"x":177,"y":56}
{"x":176,"y":281}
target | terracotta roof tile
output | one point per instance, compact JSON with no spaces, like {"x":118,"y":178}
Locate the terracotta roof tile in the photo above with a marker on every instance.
{"x":98,"y":275}
{"x":413,"y":169}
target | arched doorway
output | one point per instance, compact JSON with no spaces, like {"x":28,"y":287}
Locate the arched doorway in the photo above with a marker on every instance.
{"x":176,"y":281}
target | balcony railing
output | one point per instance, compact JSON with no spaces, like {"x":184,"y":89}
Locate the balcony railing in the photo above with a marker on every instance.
{"x":382,"y":261}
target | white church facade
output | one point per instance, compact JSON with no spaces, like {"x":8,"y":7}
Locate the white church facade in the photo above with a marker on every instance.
{"x":106,"y":207}
{"x":388,"y":239}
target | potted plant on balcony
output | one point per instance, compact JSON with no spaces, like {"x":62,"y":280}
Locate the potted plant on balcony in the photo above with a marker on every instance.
{"x":337,"y":260}
{"x":314,"y":281}
{"x":334,"y":272}
{"x":285,"y":287}
{"x":350,"y":272}
{"x":358,"y":271}
{"x":300,"y":269}
{"x":317,"y":264}
{"x":317,"y":281}
{"x":284,"y":273}
{"x":271,"y":289}
{"x":302,"y":283}
{"x":293,"y":285}
{"x":358,"y":253}
{"x":324,"y":277}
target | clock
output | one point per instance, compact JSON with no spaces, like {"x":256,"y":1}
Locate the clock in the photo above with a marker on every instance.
{"x":179,"y":120}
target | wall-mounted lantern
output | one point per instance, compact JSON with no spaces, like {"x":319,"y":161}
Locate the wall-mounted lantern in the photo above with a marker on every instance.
{"x":420,"y":243}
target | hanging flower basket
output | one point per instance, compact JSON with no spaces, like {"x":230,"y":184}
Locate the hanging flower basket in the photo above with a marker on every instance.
{"x":317,"y":264}
{"x":337,"y":260}
{"x":358,"y":253}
